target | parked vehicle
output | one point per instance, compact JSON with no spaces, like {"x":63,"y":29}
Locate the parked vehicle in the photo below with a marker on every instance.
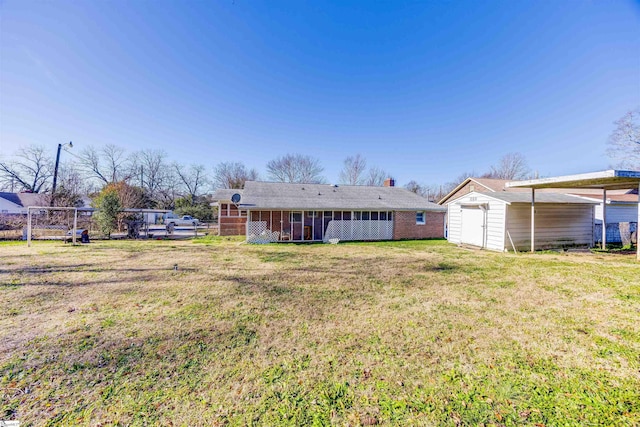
{"x":184,"y":220}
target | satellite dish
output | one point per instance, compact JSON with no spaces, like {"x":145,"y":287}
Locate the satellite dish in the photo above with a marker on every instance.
{"x":236,"y":198}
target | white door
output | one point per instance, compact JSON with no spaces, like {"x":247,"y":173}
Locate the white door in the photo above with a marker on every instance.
{"x":472,"y":226}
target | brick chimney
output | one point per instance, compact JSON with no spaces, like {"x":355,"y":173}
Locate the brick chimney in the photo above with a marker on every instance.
{"x":389,"y":182}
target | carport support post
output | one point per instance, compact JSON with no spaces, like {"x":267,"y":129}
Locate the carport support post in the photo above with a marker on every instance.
{"x":29,"y":226}
{"x":75,"y":225}
{"x":604,"y":219}
{"x":533,"y":219}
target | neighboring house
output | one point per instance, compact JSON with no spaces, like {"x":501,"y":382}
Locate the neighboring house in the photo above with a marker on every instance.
{"x":272,"y":211}
{"x":17,"y":203}
{"x":502,"y":220}
{"x":621,"y":215}
{"x":479,"y":185}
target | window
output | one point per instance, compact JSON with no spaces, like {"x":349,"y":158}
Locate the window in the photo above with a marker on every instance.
{"x":295,"y":217}
{"x":365,"y":216}
{"x":374,"y":216}
{"x":312,"y":214}
{"x":420,"y":218}
{"x":328,"y":214}
{"x":357,"y":215}
{"x":383,"y":216}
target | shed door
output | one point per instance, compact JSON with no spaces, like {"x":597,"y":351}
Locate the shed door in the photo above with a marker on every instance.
{"x":472,"y":226}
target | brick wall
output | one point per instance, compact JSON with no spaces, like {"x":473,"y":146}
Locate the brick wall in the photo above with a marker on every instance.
{"x":232,"y":226}
{"x":405,"y":226}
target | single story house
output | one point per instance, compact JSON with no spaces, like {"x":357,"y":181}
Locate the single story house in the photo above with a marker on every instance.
{"x":275,"y":211}
{"x":17,"y":203}
{"x":501,"y":221}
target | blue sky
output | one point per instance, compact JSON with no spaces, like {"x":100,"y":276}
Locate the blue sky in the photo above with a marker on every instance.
{"x":425,"y":90}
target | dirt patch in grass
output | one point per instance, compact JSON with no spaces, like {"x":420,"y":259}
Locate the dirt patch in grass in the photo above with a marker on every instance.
{"x":392,"y":333}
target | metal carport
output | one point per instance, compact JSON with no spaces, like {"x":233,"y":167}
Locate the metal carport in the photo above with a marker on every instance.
{"x":604,"y":180}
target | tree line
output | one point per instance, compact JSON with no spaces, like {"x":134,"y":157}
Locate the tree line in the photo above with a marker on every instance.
{"x":148,"y":179}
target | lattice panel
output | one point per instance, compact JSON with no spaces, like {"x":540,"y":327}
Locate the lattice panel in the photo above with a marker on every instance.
{"x":359,"y":230}
{"x":259,"y":233}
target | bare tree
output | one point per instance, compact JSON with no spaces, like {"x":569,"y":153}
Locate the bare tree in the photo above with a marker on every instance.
{"x":154,"y":173}
{"x":376,"y":177}
{"x":30,"y":171}
{"x":432,"y":192}
{"x":624,"y":141}
{"x":511,"y":166}
{"x":352,"y":172}
{"x":108,"y":164}
{"x":192,"y":179}
{"x":296,"y":168}
{"x":71,"y":186}
{"x":417,"y":188}
{"x":233,"y":175}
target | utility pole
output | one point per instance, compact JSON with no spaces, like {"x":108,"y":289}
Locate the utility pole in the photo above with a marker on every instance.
{"x":55,"y":171}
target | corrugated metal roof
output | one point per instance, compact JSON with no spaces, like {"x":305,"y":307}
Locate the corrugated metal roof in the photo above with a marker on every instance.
{"x":285,"y":196}
{"x":609,"y":179}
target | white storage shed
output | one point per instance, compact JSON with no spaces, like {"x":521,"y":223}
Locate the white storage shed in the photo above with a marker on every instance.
{"x":502,"y":221}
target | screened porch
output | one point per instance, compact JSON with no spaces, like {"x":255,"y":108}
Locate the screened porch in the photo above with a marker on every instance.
{"x":318,"y":226}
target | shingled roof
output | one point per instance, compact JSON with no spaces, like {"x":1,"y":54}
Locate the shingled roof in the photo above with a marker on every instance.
{"x":24,"y":199}
{"x":519,"y":197}
{"x":258,"y":195}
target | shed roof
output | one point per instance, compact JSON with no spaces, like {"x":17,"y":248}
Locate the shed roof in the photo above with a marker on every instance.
{"x":611,"y":198}
{"x":518,"y":197}
{"x":286,"y":196}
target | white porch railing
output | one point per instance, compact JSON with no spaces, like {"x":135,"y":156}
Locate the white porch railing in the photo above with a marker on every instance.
{"x":359,"y":230}
{"x":257,"y":232}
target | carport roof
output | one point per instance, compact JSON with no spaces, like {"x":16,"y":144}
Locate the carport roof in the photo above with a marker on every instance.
{"x":605,"y":180}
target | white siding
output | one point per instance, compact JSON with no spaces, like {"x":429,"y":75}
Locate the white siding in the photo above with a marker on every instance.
{"x":454,"y":218}
{"x":494,"y":225}
{"x":618,"y":213}
{"x":10,"y":207}
{"x":556,"y":225}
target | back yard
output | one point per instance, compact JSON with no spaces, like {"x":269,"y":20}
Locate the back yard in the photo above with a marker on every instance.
{"x":398,"y":333}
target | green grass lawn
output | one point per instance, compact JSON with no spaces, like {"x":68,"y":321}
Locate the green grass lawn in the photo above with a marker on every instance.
{"x":391,"y":333}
